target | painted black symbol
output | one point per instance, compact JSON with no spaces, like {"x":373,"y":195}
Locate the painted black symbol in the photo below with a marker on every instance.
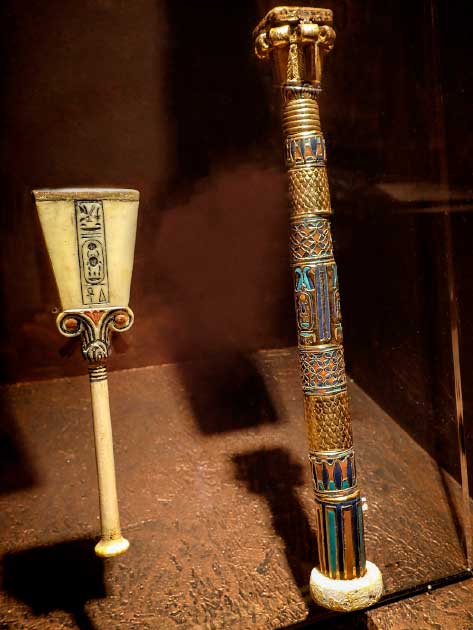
{"x":92,"y":251}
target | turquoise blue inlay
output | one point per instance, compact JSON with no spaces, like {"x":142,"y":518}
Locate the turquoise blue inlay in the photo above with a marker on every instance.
{"x":307,"y":280}
{"x":321,"y":486}
{"x":345,"y":484}
{"x":302,"y":279}
{"x":334,"y":276}
{"x":331,"y":485}
{"x":336,"y":534}
{"x":332,"y":532}
{"x":304,"y":308}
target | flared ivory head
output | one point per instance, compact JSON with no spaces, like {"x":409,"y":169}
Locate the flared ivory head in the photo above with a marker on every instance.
{"x":90,"y":235}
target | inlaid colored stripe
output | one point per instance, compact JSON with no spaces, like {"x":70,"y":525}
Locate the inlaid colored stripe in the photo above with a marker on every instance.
{"x":348,"y":534}
{"x":332,"y":541}
{"x":341,"y":567}
{"x":356,"y":540}
{"x":319,"y":304}
{"x":334,"y":472}
{"x":334,"y":276}
{"x":350,"y":471}
{"x":328,"y":332}
{"x":321,"y":549}
{"x":324,"y":545}
{"x":361,"y":541}
{"x":340,"y":539}
{"x":305,"y":150}
{"x":323,"y":303}
{"x":337,"y":475}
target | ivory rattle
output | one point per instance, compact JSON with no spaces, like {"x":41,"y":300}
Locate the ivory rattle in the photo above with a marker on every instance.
{"x":90,"y":237}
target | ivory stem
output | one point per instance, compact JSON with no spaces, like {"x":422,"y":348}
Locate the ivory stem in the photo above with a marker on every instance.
{"x":112,"y":542}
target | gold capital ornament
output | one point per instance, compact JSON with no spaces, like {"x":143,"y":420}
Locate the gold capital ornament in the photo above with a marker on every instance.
{"x":296,"y":40}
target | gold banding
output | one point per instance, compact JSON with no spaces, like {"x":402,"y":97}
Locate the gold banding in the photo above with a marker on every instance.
{"x":336,"y":453}
{"x":336,"y":496}
{"x":333,"y":498}
{"x":301,"y":115}
{"x":71,"y":194}
{"x":328,"y":422}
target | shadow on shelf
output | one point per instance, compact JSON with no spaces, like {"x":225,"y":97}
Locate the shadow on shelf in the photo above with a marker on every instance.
{"x":227,"y":394}
{"x":63,"y":576}
{"x":273,"y":474}
{"x":17,"y":470}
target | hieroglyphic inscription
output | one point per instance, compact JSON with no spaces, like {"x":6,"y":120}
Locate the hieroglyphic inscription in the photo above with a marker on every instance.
{"x":92,"y":252}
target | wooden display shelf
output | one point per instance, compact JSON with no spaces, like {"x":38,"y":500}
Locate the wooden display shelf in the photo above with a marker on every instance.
{"x":216,"y":500}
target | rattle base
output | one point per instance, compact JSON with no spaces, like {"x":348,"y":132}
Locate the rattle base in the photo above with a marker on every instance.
{"x":110,"y":548}
{"x":347,"y":595}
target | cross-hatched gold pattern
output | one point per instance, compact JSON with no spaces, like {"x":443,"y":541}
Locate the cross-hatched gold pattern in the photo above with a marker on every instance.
{"x":308,"y":191}
{"x":328,"y":422}
{"x":311,"y":238}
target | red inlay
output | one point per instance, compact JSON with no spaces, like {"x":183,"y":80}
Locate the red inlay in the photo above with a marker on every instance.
{"x":95,"y":316}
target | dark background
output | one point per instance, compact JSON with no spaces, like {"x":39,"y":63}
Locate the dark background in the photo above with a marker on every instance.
{"x":167,"y":97}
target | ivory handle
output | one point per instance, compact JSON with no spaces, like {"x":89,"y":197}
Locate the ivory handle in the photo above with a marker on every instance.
{"x":112,"y":542}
